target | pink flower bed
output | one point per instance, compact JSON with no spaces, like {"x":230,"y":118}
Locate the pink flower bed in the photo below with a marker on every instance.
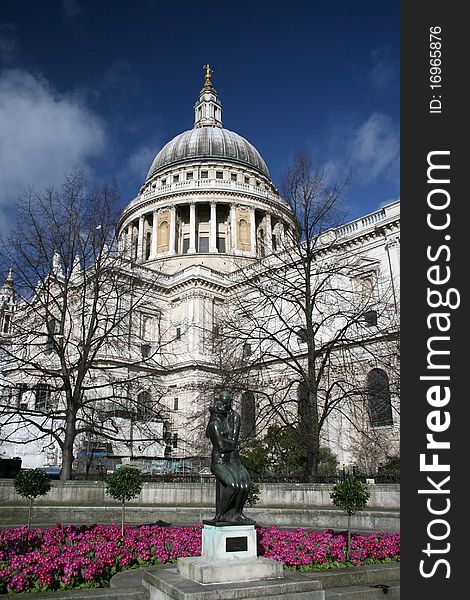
{"x":302,"y":548}
{"x":74,"y":557}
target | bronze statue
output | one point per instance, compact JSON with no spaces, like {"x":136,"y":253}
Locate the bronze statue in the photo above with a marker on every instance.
{"x":232,"y":478}
{"x":208,"y":77}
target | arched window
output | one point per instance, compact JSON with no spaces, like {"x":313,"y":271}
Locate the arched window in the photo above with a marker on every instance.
{"x":380,"y":405}
{"x":148,"y":241}
{"x":144,"y":406}
{"x":51,"y":326}
{"x":248,"y":415}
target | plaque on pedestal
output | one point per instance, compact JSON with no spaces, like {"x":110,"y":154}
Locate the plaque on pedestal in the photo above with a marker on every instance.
{"x":228,"y":543}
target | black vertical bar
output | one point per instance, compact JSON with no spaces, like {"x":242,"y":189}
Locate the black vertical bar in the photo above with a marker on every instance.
{"x":435,"y":248}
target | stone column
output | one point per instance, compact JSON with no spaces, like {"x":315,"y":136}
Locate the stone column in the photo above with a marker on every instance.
{"x":393,"y":248}
{"x":213,"y":228}
{"x":253,"y":231}
{"x":192,"y":228}
{"x":233,"y":228}
{"x":269,"y":234}
{"x":129,"y":241}
{"x":140,"y":239}
{"x":153,"y":249}
{"x":172,"y":246}
{"x":122,"y":242}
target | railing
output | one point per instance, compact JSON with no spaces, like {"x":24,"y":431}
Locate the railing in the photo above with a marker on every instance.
{"x":360,"y":224}
{"x":336,"y":478}
{"x":209,"y":185}
{"x":392,"y":477}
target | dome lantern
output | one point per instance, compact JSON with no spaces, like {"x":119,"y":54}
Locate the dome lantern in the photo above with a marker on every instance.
{"x":208,"y":109}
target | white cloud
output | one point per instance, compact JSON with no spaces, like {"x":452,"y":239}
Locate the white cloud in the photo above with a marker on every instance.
{"x":139,"y":162}
{"x":375,"y":148}
{"x":384,"y":70}
{"x":71,"y":8}
{"x":44,"y":135}
{"x":8,"y":42}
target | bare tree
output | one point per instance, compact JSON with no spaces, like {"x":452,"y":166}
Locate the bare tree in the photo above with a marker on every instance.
{"x":73,"y":362}
{"x":308,"y":316}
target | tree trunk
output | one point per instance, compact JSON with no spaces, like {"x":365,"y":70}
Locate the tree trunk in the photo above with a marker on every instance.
{"x":122,"y":519}
{"x":69,"y":440}
{"x":30,"y":511}
{"x":349,"y":537}
{"x":67,"y":459}
{"x":308,"y":415}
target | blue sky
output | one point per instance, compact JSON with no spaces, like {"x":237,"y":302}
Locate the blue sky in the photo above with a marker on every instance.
{"x":103,"y":85}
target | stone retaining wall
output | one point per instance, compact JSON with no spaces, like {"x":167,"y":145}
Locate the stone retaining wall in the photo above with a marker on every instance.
{"x":306,"y":505}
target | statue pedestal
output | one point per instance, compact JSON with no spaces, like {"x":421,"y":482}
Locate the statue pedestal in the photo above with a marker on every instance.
{"x":228,"y":542}
{"x":228,"y":555}
{"x":228,"y":568}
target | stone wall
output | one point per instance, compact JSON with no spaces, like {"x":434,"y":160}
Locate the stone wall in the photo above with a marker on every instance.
{"x":303,"y":505}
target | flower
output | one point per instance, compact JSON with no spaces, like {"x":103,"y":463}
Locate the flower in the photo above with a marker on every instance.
{"x":68,"y":557}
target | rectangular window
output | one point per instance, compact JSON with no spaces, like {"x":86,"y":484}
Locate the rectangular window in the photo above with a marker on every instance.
{"x":6,"y":323}
{"x":43,"y":398}
{"x":203,"y":244}
{"x":22,"y":400}
{"x":247,"y":180}
{"x":185,"y":245}
{"x":233,"y":176}
{"x":370,"y":317}
{"x":176,"y":178}
{"x":189,"y":176}
{"x":175,"y":403}
{"x":145,"y":350}
{"x":247,"y":350}
{"x":163,"y":181}
{"x":51,"y":327}
{"x":220,"y":244}
{"x":175,"y":440}
{"x":204,"y":174}
{"x":219,"y":175}
{"x":178,"y":333}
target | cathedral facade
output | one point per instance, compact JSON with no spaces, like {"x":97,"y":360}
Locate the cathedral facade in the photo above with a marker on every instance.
{"x":206,"y":216}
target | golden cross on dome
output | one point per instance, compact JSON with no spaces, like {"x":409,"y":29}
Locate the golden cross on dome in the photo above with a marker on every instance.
{"x":208,"y":80}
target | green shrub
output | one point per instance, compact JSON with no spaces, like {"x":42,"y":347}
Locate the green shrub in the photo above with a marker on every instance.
{"x":327,"y":463}
{"x":255,"y":459}
{"x":124,"y":484}
{"x":253,"y":494}
{"x":282,"y":452}
{"x":351,"y":496}
{"x":31,"y":484}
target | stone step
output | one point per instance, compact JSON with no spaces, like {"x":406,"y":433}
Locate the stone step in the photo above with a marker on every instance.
{"x":365,"y":592}
{"x":91,"y":594}
{"x":165,"y":583}
{"x":353,"y":576}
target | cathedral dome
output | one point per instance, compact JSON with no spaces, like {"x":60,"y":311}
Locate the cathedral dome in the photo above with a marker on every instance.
{"x":208,"y":142}
{"x":207,"y":196}
{"x":208,"y":139}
